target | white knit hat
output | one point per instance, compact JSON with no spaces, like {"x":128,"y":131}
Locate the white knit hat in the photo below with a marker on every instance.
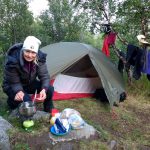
{"x":31,"y":43}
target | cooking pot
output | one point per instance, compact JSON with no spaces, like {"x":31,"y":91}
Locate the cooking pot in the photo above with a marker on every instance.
{"x":27,"y":109}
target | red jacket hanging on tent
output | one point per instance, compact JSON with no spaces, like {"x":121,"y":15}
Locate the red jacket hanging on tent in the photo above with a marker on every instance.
{"x":109,"y":40}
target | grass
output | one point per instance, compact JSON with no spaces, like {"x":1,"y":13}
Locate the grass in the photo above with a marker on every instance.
{"x":21,"y":146}
{"x":130,"y":129}
{"x":93,"y":145}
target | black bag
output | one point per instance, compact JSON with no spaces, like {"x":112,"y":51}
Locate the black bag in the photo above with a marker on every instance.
{"x":100,"y":94}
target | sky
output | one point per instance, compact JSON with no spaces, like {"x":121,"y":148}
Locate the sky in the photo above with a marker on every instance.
{"x":37,"y":6}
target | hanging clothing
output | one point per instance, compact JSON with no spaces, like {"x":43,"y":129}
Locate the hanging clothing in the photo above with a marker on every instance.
{"x":140,"y":59}
{"x":108,"y":40}
{"x":135,"y":57}
{"x":122,"y":57}
{"x":146,"y":66}
{"x":107,"y":28}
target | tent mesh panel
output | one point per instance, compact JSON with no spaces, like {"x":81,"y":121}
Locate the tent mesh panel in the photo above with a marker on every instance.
{"x":82,"y":68}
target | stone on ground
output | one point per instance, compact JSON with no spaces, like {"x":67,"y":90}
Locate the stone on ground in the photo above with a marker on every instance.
{"x":86,"y":132}
{"x":4,"y":139}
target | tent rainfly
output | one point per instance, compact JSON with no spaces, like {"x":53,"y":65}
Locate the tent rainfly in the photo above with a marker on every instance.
{"x":80,"y":68}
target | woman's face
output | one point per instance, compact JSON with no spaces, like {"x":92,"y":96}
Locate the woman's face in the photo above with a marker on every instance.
{"x":29,"y":55}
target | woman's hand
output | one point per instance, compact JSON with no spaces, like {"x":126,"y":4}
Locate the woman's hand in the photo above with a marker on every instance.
{"x":19,"y":96}
{"x":42,"y":95}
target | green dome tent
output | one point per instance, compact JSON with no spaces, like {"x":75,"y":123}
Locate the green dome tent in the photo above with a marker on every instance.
{"x":83,"y":62}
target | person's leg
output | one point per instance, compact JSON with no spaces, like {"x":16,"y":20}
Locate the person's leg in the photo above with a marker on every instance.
{"x":31,"y":89}
{"x":48,"y":103}
{"x":12,"y":104}
{"x":11,"y":99}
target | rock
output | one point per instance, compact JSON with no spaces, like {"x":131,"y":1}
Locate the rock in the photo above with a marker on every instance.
{"x":113,"y":145}
{"x":4,"y":139}
{"x":4,"y":125}
{"x":86,"y":132}
{"x":14,"y":114}
{"x":39,"y":115}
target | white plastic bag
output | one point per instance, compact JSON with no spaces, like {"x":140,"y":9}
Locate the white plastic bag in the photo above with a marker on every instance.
{"x":76,"y":121}
{"x":66,"y":113}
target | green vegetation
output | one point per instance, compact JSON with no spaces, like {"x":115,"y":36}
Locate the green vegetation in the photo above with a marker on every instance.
{"x":21,"y":146}
{"x":93,"y":145}
{"x":71,"y":20}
